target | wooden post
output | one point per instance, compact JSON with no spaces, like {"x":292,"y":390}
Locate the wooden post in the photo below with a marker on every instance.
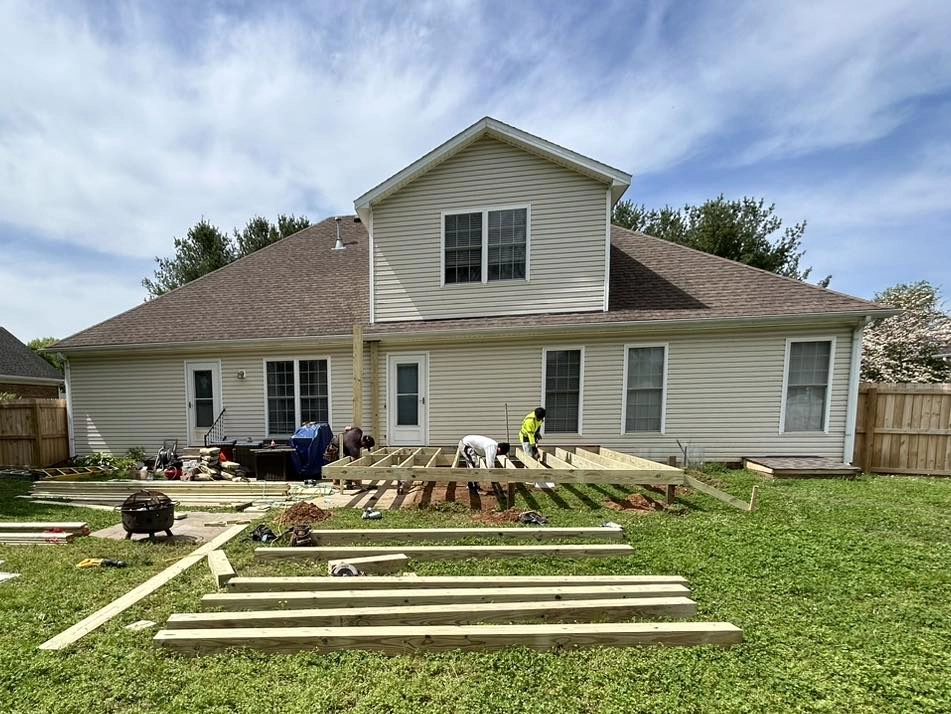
{"x":357,"y":375}
{"x":37,"y":437}
{"x":671,"y":461}
{"x":375,"y":389}
{"x":870,"y":417}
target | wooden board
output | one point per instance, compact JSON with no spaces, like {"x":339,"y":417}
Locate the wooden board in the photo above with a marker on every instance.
{"x":375,"y":535}
{"x":373,"y":564}
{"x":614,"y":610}
{"x":444,"y":552}
{"x":319,"y":582}
{"x":103,"y":615}
{"x":691,"y":482}
{"x":36,"y":538}
{"x":402,"y":596}
{"x":502,"y":475}
{"x":42,"y":526}
{"x":799,"y":466}
{"x":411,"y":640}
{"x":220,"y":567}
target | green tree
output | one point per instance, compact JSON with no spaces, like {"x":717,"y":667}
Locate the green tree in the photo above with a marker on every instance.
{"x":54,"y":358}
{"x":260,"y":232}
{"x":206,"y":248}
{"x":745,"y":230}
{"x":906,"y":347}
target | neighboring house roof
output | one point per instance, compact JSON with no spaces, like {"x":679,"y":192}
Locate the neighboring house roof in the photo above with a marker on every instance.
{"x":19,"y":361}
{"x":487,"y":126}
{"x":300,"y":287}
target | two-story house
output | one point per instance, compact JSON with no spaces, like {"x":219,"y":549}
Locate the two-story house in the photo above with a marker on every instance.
{"x":487,"y":277}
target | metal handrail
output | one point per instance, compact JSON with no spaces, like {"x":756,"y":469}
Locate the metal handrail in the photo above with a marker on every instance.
{"x":217,"y":431}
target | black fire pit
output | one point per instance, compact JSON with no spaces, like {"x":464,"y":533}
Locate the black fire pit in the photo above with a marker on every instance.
{"x":147,"y":512}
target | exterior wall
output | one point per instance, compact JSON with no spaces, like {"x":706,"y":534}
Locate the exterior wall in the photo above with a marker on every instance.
{"x":136,"y":400}
{"x":31,"y":391}
{"x":724,"y":393}
{"x":568,"y":228}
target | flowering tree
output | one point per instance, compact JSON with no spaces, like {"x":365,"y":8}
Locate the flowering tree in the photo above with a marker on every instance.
{"x":906,"y":347}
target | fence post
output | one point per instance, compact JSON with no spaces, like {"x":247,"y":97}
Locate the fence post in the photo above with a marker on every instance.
{"x":871,"y":415}
{"x":37,"y":436}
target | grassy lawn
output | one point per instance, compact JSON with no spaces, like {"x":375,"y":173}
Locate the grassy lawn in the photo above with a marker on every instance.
{"x":842,"y":588}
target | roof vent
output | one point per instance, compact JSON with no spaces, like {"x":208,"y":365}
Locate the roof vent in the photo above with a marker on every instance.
{"x":339,"y":244}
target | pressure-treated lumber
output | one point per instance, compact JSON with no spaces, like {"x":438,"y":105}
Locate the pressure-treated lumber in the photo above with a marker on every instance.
{"x":410,"y":640}
{"x":445,"y":552}
{"x":319,"y":582}
{"x":220,"y":566}
{"x":43,"y":526}
{"x":501,"y":475}
{"x":691,"y":482}
{"x":616,"y":610}
{"x":402,"y":596}
{"x":376,"y":535}
{"x":357,"y":376}
{"x":103,"y":615}
{"x":40,"y":538}
{"x":373,"y":564}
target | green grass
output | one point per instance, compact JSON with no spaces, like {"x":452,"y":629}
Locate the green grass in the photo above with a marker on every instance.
{"x":842,"y":589}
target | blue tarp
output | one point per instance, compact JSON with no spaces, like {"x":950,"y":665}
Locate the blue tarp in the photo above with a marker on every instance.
{"x":310,"y":442}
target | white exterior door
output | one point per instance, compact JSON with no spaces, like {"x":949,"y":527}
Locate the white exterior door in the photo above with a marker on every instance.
{"x":203,"y":392}
{"x":407,"y":410}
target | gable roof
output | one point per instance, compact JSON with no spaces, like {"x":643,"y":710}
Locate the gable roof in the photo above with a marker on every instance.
{"x":18,"y":360}
{"x":300,"y":287}
{"x":487,"y":126}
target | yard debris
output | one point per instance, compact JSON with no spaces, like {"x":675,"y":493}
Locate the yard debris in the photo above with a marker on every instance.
{"x":370,"y":515}
{"x":8,"y":576}
{"x":303,"y":512}
{"x":532,"y":518}
{"x":635,"y":502}
{"x":100,"y":563}
{"x":493,"y":518}
{"x":140,"y":625}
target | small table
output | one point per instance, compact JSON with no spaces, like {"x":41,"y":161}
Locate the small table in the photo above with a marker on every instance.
{"x":273,"y":464}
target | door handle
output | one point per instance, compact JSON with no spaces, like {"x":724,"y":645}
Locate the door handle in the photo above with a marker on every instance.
{"x":189,"y":405}
{"x":423,"y":399}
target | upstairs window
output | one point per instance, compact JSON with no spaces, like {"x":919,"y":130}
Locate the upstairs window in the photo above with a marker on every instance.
{"x":486,"y":246}
{"x":808,"y":373}
{"x":463,"y":239}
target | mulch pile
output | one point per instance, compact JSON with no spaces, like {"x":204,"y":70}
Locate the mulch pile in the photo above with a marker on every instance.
{"x":635,"y":502}
{"x":496,"y":518}
{"x":303,"y":512}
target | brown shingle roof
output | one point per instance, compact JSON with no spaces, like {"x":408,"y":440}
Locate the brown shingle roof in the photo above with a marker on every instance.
{"x":18,"y":360}
{"x":300,"y":287}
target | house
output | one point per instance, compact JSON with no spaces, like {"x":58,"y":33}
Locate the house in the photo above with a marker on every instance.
{"x":25,"y":373}
{"x":488,"y":280}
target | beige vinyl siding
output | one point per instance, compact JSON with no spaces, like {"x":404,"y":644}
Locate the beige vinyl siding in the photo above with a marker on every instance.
{"x":137,"y":400}
{"x":567,"y":238}
{"x":724,"y":393}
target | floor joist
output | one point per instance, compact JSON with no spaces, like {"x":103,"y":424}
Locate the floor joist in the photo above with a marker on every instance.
{"x":320,"y":582}
{"x":296,"y":599}
{"x":372,"y":564}
{"x":410,"y":640}
{"x":616,"y":610}
{"x":444,"y":552}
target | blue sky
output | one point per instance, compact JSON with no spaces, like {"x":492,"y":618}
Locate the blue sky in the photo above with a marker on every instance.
{"x":122,"y":124}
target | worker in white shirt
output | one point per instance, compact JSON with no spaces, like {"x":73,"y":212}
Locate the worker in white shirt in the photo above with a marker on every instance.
{"x":475,"y":447}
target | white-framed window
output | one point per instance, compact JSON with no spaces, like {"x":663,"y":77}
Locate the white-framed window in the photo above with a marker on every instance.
{"x":296,"y":391}
{"x":485,"y":245}
{"x":563,"y":389}
{"x":807,"y":382}
{"x":644,"y":401}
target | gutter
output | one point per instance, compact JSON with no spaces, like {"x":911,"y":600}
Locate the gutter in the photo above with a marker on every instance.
{"x":11,"y":379}
{"x":851,"y":409}
{"x":468,"y":330}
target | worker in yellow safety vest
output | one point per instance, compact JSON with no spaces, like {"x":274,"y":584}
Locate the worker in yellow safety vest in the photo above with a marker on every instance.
{"x":531,"y":431}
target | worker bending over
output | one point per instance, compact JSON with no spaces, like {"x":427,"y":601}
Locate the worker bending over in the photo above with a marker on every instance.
{"x":350,"y":442}
{"x":475,"y":447}
{"x":531,"y":431}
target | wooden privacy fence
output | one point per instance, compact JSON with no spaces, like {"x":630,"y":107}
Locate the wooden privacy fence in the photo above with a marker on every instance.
{"x":904,"y":429}
{"x":33,"y":432}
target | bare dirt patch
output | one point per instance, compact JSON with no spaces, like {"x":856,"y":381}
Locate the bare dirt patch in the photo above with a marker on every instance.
{"x":635,"y":502}
{"x":497,"y":518}
{"x":302,"y":512}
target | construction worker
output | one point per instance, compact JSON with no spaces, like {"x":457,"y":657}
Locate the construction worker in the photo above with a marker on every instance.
{"x":531,"y":431}
{"x":350,"y":442}
{"x":475,"y":447}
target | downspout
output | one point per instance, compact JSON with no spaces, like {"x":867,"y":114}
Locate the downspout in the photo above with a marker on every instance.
{"x":70,"y":427}
{"x":851,"y":409}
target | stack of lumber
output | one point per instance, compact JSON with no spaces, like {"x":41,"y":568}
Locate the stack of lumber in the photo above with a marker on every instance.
{"x":405,"y":614}
{"x":208,"y":465}
{"x":41,"y":532}
{"x":185,"y":493}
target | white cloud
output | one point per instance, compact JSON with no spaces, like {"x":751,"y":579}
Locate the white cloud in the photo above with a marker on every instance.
{"x":118,"y":137}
